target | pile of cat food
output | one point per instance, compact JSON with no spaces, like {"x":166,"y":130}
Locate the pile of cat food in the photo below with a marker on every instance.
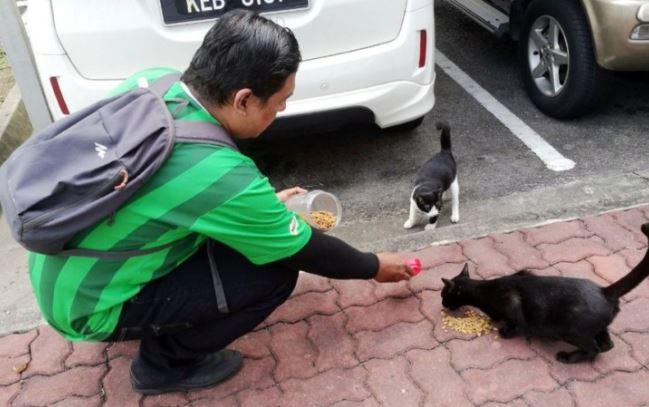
{"x":472,"y":323}
{"x":323,"y":220}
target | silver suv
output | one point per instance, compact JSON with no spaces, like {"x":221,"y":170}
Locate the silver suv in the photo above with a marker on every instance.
{"x":567,"y":48}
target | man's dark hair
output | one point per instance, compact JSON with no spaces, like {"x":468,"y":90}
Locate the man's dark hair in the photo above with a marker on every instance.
{"x":242,"y":50}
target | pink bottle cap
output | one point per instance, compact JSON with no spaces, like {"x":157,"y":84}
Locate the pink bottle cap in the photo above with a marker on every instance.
{"x":415,"y":266}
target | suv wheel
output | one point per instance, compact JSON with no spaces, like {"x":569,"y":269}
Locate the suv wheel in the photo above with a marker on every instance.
{"x":557,"y":59}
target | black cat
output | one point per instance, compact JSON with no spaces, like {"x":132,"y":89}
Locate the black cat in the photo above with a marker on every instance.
{"x":574,"y":310}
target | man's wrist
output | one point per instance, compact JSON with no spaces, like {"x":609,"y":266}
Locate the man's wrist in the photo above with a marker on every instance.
{"x":377,"y":265}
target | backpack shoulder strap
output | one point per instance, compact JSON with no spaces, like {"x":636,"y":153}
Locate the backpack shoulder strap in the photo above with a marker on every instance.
{"x":163,"y":83}
{"x":192,"y":131}
{"x":203,"y":132}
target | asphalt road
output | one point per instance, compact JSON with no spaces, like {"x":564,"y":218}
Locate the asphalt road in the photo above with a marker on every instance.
{"x":503,"y":183}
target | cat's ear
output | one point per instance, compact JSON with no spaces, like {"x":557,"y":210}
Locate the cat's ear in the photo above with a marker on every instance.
{"x":465,"y":271}
{"x":448,"y":283}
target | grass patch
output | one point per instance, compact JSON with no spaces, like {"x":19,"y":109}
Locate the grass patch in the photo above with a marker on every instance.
{"x":3,"y":59}
{"x":6,"y":76}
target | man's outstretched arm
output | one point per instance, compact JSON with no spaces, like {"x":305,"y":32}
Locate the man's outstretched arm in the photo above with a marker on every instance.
{"x":331,"y":257}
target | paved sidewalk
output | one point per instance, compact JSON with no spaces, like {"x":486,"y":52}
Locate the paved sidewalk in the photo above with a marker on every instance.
{"x":356,"y":343}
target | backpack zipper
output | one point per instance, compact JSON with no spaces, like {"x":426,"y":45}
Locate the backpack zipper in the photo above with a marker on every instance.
{"x":97,"y":192}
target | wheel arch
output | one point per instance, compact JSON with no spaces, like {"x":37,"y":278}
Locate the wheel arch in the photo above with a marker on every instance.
{"x":517,"y":11}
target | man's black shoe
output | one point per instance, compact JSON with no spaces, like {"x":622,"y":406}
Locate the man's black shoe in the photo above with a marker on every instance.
{"x":207,"y":372}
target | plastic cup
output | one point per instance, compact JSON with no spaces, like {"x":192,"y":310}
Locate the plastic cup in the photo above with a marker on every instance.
{"x":315,"y":201}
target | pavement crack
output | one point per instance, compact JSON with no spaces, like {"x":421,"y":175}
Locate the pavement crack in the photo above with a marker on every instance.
{"x":350,"y":400}
{"x":353,"y":338}
{"x":29,"y":346}
{"x":302,"y":294}
{"x":310,"y":341}
{"x":566,"y":239}
{"x":15,"y":396}
{"x":499,"y":402}
{"x":605,"y":375}
{"x":365,"y":383}
{"x":640,"y":239}
{"x":640,"y":175}
{"x":632,"y":353}
{"x":496,"y":364}
{"x":389,"y":326}
{"x":289,"y":322}
{"x":273,"y":356}
{"x":563,"y":386}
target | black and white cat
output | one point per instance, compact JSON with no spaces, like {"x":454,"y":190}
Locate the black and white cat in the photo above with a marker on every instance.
{"x":573,"y":310}
{"x":435,"y":177}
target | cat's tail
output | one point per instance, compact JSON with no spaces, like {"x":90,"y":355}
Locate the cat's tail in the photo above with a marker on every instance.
{"x":635,"y":276}
{"x":445,"y":137}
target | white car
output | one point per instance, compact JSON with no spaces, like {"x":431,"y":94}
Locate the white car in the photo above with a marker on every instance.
{"x":370,"y":59}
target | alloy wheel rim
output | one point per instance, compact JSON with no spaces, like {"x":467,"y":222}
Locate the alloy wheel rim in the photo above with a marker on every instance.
{"x":548,"y":56}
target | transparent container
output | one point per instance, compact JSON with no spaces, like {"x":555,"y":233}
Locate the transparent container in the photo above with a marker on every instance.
{"x":320,"y":209}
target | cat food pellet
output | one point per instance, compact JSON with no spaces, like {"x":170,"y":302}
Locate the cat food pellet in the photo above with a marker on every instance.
{"x":322,"y":220}
{"x":20,"y":368}
{"x":472,"y":322}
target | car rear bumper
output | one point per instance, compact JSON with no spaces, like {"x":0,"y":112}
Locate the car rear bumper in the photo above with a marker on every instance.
{"x":391,"y":103}
{"x":385,"y":79}
{"x":612,"y":23}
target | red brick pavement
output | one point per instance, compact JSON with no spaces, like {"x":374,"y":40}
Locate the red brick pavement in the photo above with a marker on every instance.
{"x":357,"y":343}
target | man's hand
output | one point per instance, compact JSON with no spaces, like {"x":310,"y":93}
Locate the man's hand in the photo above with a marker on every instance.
{"x":392,"y":268}
{"x":287,"y":193}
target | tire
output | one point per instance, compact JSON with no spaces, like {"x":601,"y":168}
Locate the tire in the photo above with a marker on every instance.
{"x":579,"y":84}
{"x":407,"y":126}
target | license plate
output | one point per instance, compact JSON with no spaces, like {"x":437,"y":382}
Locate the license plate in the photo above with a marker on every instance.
{"x":178,"y":11}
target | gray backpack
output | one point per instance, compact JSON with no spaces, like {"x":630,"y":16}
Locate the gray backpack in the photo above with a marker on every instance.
{"x":81,"y":169}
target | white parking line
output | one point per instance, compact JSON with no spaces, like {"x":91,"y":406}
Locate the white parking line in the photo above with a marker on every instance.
{"x":548,"y":154}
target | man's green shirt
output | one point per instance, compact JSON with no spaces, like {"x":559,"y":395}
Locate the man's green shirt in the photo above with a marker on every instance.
{"x":202,"y":191}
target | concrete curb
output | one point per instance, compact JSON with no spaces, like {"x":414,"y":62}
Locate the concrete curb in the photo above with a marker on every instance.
{"x":15,"y":126}
{"x":584,"y":197}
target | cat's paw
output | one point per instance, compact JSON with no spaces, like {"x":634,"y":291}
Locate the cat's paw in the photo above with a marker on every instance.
{"x":564,"y":357}
{"x":430,"y":226}
{"x":408,"y":225}
{"x":455,"y":218}
{"x":606,"y":345}
{"x":576,"y":356}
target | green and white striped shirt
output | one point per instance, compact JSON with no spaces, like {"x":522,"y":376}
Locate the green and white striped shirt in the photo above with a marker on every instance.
{"x":201,"y":191}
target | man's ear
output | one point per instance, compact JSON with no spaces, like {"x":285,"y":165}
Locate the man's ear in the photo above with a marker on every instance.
{"x":448,"y":283}
{"x":241,"y":101}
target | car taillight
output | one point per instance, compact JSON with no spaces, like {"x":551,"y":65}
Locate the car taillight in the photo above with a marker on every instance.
{"x":422,"y":48}
{"x":640,"y":33}
{"x":54,"y":81}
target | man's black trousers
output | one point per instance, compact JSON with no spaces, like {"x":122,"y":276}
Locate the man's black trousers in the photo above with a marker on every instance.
{"x":177,"y":317}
